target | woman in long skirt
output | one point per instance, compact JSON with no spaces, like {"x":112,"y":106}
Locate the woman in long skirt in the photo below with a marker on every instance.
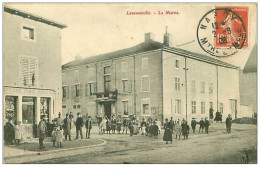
{"x":167,"y":132}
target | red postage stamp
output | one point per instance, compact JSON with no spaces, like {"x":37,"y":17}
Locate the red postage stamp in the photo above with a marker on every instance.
{"x":231,"y":25}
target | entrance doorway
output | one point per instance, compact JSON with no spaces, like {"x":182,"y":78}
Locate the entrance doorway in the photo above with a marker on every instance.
{"x":107,"y":109}
{"x":233,"y":108}
{"x":28,"y":112}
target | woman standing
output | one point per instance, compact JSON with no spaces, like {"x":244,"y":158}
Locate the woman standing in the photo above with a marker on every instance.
{"x":167,"y":132}
{"x":104,"y":124}
{"x":178,"y":130}
{"x":17,"y":133}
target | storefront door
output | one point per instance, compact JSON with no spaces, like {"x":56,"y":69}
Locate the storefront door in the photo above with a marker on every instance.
{"x":29,"y":114}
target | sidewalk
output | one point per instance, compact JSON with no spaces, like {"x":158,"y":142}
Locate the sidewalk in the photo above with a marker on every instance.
{"x":32,"y":147}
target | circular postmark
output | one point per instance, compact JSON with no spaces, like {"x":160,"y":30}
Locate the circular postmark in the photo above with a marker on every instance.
{"x":221,"y":32}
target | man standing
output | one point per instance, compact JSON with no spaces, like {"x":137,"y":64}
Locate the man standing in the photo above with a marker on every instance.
{"x":206,"y":126}
{"x":201,"y":125}
{"x":193,"y":124}
{"x":88,"y":126}
{"x":228,"y":123}
{"x":79,"y":124}
{"x":125,"y":125}
{"x":185,"y":129}
{"x":42,"y":130}
{"x":113,"y":124}
{"x":67,"y":127}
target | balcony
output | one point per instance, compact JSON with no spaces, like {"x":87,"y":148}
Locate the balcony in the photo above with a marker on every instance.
{"x":109,"y":96}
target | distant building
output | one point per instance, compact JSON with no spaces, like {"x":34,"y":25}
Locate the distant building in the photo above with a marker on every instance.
{"x":248,"y":85}
{"x":31,"y":68}
{"x":148,"y":80}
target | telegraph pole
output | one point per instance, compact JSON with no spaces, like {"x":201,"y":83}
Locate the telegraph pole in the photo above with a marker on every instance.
{"x":186,"y":90}
{"x":217,"y":86}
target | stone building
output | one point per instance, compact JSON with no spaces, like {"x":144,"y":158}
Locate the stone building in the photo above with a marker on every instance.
{"x":148,"y":80}
{"x":31,"y":59}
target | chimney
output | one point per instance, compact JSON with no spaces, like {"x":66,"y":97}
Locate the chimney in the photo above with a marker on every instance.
{"x":167,"y":39}
{"x":148,"y":36}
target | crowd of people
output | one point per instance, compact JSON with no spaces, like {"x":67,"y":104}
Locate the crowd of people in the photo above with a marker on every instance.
{"x":125,"y":125}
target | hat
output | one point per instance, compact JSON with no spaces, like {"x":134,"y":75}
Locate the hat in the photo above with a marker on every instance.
{"x":193,"y":118}
{"x":78,"y":113}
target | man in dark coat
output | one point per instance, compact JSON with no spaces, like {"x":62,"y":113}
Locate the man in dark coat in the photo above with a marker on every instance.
{"x":206,"y":125}
{"x":67,"y":127}
{"x":185,"y":129}
{"x":211,"y":110}
{"x":42,"y":131}
{"x":167,"y":136}
{"x":88,"y":125}
{"x":79,"y":125}
{"x":172,"y":123}
{"x":113,"y":124}
{"x":193,"y":124}
{"x":201,"y":125}
{"x":131,"y":127}
{"x":9,"y":134}
{"x":228,"y":123}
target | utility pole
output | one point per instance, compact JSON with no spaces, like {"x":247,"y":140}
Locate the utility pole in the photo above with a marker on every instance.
{"x":186,"y":90}
{"x":134,"y":88}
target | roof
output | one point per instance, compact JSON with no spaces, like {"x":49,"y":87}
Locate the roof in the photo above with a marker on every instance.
{"x":33,"y":17}
{"x":251,"y":64}
{"x":145,"y":47}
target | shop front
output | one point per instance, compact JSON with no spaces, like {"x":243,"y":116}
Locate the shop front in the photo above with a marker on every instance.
{"x":28,"y":105}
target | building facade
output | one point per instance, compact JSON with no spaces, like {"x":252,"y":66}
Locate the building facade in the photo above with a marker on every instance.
{"x":248,"y":86}
{"x":31,"y":59}
{"x":148,"y":80}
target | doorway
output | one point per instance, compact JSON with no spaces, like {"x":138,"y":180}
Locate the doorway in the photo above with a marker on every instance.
{"x":107,"y":109}
{"x":233,"y":108}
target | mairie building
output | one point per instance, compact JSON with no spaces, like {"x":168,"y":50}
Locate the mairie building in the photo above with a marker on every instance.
{"x":150,"y":80}
{"x":31,"y":69}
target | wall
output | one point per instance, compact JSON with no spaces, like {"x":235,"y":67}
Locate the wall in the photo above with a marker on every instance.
{"x":46,"y":48}
{"x":198,"y":71}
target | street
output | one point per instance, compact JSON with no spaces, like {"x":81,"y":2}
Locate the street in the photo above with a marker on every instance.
{"x":216,"y":147}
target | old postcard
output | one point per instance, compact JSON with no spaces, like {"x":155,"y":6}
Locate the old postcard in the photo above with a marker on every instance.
{"x":130,"y":83}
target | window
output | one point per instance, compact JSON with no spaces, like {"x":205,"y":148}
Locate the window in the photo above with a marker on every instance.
{"x":90,"y":73}
{"x":177,"y":84}
{"x":202,"y":87}
{"x":210,"y":88}
{"x":124,"y":67}
{"x":90,"y":89}
{"x":64,"y":92}
{"x":193,"y":107}
{"x":145,"y":63}
{"x":193,"y":86}
{"x":64,"y":106}
{"x":145,"y":107}
{"x":77,"y":90}
{"x":28,"y":33}
{"x":125,"y":107}
{"x":202,"y":107}
{"x":107,"y":78}
{"x":221,"y":108}
{"x":177,"y":64}
{"x":125,"y":85}
{"x":78,"y":106}
{"x":28,"y":71}
{"x":145,"y":83}
{"x":177,"y":106}
{"x":74,"y":106}
{"x":76,"y":75}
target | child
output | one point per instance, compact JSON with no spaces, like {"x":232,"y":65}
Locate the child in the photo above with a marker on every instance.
{"x":57,"y":136}
{"x":17,"y":132}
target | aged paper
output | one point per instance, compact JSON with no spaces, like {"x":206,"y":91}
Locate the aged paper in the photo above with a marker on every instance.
{"x":130,"y":83}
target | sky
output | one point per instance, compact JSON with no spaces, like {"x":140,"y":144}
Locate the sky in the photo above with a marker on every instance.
{"x":104,"y":27}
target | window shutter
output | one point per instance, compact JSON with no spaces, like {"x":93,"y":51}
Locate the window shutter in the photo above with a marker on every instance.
{"x":95,"y":87}
{"x":68,"y":91}
{"x":130,"y":86}
{"x":81,"y":90}
{"x":86,"y":90}
{"x":72,"y":91}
